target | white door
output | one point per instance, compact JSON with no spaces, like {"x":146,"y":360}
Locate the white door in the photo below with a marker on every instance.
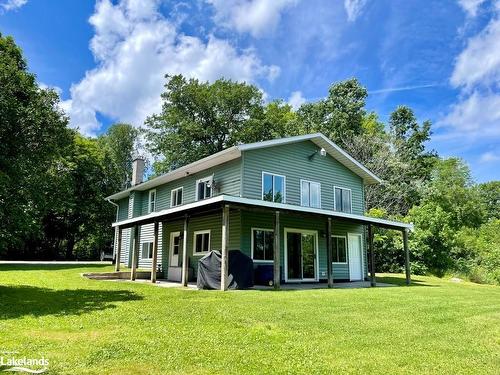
{"x":355,"y":257}
{"x":175,"y":247}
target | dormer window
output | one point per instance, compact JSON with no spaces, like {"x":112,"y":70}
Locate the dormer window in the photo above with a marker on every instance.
{"x":204,"y":188}
{"x":152,"y":201}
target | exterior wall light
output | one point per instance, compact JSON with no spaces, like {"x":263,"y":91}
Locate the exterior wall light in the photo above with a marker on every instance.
{"x":321,"y":151}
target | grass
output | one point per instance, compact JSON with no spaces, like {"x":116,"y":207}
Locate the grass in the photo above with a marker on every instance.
{"x":100,"y":327}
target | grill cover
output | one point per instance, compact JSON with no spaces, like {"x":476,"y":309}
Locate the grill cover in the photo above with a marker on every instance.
{"x":240,"y":275}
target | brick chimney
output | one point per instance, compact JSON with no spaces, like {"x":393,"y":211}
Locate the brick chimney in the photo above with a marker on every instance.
{"x":137,"y":170}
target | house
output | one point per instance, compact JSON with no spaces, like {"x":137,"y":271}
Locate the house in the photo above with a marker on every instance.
{"x":282,"y":202}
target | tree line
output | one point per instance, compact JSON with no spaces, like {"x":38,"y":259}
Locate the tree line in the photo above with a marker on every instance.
{"x":53,"y":179}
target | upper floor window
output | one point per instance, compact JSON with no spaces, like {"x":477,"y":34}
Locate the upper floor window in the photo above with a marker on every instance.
{"x":152,"y":201}
{"x":176,"y":197}
{"x":204,"y":188}
{"x":201,"y":242}
{"x":339,"y":249}
{"x":342,"y":201}
{"x":147,"y":250}
{"x":273,"y":187}
{"x":262,"y":244}
{"x":310,"y":194}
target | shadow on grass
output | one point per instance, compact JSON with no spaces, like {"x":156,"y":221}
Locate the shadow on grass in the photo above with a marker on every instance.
{"x":401,"y":281}
{"x":21,"y":300}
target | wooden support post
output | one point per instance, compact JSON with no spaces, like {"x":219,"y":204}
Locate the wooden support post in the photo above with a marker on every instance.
{"x":329,"y":267}
{"x":185,"y":258}
{"x":372,"y":256}
{"x":276,"y":255}
{"x":225,"y":240}
{"x":118,"y":253}
{"x":135,"y":253}
{"x":154,"y":262}
{"x":407,"y":256}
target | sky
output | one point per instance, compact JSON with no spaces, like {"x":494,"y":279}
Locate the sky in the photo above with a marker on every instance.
{"x":108,"y":59}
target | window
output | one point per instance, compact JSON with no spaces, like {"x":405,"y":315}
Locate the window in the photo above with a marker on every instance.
{"x":262,"y":244}
{"x":152,"y":201}
{"x":342,"y":201}
{"x":273,"y":187}
{"x":310,"y":194}
{"x":147,"y":250}
{"x":204,"y":188}
{"x":176,"y":197}
{"x":201,"y":242}
{"x":339,"y":249}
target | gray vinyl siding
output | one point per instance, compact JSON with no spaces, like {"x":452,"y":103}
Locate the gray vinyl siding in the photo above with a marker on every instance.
{"x":293,"y":162}
{"x":251,"y":220}
{"x":147,"y":235}
{"x":227,"y":177}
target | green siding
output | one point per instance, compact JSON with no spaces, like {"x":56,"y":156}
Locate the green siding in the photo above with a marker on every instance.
{"x":251,"y":220}
{"x":123,"y":209}
{"x":226,"y":175}
{"x":292,"y":161}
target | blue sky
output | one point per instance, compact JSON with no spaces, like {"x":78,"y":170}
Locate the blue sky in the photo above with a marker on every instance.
{"x":108,"y":58}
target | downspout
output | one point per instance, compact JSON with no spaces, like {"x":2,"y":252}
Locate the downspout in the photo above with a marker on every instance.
{"x":117,"y":212}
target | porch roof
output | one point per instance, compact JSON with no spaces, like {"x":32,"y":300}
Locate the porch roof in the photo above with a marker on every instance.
{"x":238,"y":201}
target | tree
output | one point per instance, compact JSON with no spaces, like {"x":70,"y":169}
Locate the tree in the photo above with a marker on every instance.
{"x":489,"y":193}
{"x":339,"y":116}
{"x":199,"y":119}
{"x":119,"y":142}
{"x":33,"y":133}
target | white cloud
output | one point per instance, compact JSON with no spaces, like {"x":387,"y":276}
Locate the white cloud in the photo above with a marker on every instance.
{"x":489,"y":156}
{"x":12,"y":4}
{"x":470,"y":6}
{"x":296,"y":99}
{"x":479,"y":62}
{"x":354,"y":8}
{"x":477,"y":115}
{"x":256,"y":17}
{"x":135,"y":46}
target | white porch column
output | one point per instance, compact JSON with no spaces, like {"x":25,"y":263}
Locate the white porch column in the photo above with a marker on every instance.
{"x":185,"y":258}
{"x":154,"y":262}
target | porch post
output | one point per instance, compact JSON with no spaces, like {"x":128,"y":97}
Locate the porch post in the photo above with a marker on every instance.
{"x":224,"y":251}
{"x":154,"y":262}
{"x":135,"y":253}
{"x":276,"y":255}
{"x":185,"y":258}
{"x":119,"y":249}
{"x":407,"y":256}
{"x":372,"y":256}
{"x":329,"y":268}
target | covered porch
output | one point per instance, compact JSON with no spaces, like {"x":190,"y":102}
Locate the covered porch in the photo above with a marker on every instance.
{"x":318,"y":225}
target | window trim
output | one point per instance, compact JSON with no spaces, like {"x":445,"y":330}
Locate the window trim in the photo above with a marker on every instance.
{"x":205,"y":179}
{"x":310,"y":182}
{"x":150,"y":249}
{"x":262,"y":185}
{"x":181,"y":188}
{"x":198,"y":253}
{"x":346,"y":249}
{"x":149,"y":201}
{"x":252,"y":243}
{"x":335,"y":199}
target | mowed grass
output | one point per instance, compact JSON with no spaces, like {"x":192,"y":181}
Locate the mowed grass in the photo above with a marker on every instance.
{"x":103,"y":327}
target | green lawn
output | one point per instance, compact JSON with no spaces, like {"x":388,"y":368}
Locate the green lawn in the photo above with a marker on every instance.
{"x":101,"y":327}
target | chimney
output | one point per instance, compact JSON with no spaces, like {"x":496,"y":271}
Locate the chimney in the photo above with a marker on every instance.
{"x":137,"y":170}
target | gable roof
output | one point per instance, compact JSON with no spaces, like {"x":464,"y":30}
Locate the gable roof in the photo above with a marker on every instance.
{"x":234,"y":152}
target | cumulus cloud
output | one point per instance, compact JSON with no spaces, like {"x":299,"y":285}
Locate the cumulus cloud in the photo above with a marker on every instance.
{"x":7,"y":5}
{"x":296,"y":99}
{"x":135,"y":46}
{"x":477,"y":74}
{"x":354,"y":8}
{"x":256,"y":17}
{"x":470,"y":6}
